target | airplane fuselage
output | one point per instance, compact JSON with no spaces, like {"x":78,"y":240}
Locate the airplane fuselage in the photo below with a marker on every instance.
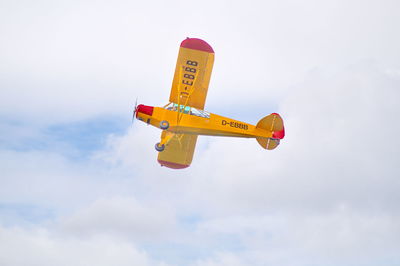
{"x":202,"y":124}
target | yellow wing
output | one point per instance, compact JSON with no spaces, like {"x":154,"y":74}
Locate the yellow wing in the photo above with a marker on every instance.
{"x":178,"y":152}
{"x":192,"y":73}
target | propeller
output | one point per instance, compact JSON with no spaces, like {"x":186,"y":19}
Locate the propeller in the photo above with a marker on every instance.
{"x":134,"y":112}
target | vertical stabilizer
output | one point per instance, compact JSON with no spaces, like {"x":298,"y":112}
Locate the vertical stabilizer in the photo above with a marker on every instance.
{"x":274,"y":124}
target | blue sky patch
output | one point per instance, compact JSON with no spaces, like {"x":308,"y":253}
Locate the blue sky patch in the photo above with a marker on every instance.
{"x":74,"y":140}
{"x":17,"y":213}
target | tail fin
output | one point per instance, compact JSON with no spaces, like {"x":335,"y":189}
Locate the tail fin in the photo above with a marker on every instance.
{"x":274,"y":124}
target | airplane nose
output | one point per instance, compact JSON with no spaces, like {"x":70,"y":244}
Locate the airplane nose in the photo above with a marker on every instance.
{"x":144,"y":109}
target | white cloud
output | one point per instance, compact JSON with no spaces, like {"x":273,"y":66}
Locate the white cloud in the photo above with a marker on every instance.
{"x":83,"y":59}
{"x":39,"y":246}
{"x":326,"y":190}
{"x":327,"y":195}
{"x":222,"y":259}
{"x":123,"y":217}
{"x":342,"y":236}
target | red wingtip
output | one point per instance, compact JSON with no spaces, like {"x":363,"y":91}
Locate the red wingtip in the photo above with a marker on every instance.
{"x":197,"y":44}
{"x":172,"y":165}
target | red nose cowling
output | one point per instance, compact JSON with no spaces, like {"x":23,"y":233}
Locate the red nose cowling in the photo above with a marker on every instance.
{"x":148,"y":110}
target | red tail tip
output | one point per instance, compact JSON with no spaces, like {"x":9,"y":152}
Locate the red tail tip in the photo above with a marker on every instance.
{"x":279,"y":134}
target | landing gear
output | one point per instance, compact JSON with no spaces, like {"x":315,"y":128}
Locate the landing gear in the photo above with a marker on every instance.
{"x":159,"y":147}
{"x":164,"y":125}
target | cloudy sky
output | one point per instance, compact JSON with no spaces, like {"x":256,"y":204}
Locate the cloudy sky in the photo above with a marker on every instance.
{"x":80,"y":186}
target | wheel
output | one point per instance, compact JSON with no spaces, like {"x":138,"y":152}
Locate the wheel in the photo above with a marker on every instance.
{"x":164,"y":125}
{"x":159,"y":147}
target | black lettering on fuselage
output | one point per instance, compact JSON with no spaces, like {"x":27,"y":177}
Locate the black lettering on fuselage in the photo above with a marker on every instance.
{"x":235,"y":124}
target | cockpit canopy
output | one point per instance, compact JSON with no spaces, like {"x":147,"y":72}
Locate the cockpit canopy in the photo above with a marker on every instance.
{"x":187,"y":110}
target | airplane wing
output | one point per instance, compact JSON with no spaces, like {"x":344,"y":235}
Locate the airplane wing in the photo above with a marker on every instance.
{"x":178,"y":152}
{"x":192,"y":73}
{"x":189,"y":88}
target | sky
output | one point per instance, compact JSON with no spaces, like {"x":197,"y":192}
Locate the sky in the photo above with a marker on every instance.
{"x":79,"y":185}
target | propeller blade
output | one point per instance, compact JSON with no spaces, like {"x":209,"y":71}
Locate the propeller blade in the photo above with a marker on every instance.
{"x":134,"y":112}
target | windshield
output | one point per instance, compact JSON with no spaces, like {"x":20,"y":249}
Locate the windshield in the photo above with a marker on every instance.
{"x":187,"y":110}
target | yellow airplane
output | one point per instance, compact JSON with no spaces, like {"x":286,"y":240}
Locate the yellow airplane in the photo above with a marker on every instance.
{"x":184,"y":118}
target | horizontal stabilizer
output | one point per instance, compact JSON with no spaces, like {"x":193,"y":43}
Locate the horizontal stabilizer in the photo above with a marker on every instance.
{"x":268,"y":143}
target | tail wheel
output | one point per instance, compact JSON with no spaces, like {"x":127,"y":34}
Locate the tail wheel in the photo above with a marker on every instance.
{"x":164,"y":125}
{"x":159,"y":147}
